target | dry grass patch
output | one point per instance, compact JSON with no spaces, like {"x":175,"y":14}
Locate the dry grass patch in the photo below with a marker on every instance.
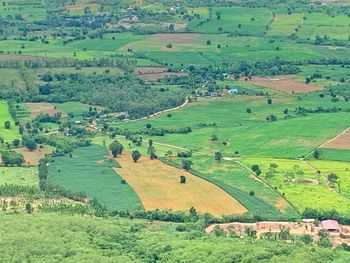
{"x":42,"y":108}
{"x":158,"y":186}
{"x":33,"y":157}
{"x":81,"y":6}
{"x":154,"y":73}
{"x":179,"y":38}
{"x":287,"y":84}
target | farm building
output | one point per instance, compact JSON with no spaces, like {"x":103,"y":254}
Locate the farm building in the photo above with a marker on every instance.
{"x":233,"y":91}
{"x":331,"y":225}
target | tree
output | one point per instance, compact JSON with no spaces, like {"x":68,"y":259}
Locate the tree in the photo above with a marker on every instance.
{"x":16,"y":142}
{"x":116,"y":148}
{"x":135,"y":155}
{"x":29,"y":208}
{"x":269,"y":101}
{"x":30,"y":144}
{"x":255,"y":167}
{"x":214,"y":138}
{"x":182,"y":179}
{"x":218,"y":156}
{"x":186,"y":165}
{"x":208,"y":42}
{"x":332,"y":178}
{"x":316,"y":154}
{"x":7,"y":125}
{"x":148,"y":126}
{"x":251,"y":193}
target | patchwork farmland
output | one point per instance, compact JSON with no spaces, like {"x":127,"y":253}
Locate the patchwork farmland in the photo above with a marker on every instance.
{"x":137,"y":125}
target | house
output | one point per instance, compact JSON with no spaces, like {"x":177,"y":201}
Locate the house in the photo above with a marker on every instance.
{"x":331,"y":225}
{"x":233,"y":91}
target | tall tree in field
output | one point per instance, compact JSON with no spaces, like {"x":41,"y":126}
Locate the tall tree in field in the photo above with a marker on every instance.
{"x":136,"y":155}
{"x":116,"y":148}
{"x":30,"y":144}
{"x":218,"y":156}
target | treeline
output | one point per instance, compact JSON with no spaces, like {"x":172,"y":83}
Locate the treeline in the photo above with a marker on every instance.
{"x":310,"y":213}
{"x":117,"y":93}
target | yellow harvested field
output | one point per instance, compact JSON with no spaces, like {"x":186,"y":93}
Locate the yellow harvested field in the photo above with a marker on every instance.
{"x":158,"y":186}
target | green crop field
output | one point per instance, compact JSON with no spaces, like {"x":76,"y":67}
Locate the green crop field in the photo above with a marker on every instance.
{"x":7,"y":134}
{"x":274,"y":139}
{"x":76,"y":108}
{"x":284,"y":24}
{"x":293,"y":179}
{"x":90,"y":171}
{"x":19,"y":176}
{"x":247,"y":20}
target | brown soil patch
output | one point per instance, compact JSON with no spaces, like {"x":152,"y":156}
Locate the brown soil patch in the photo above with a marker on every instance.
{"x":33,"y":157}
{"x":179,"y":38}
{"x":150,"y":70}
{"x":154,"y":73}
{"x":161,"y":75}
{"x":81,"y":6}
{"x":45,"y":108}
{"x":341,"y":142}
{"x":288,"y":84}
{"x":158,"y":187}
{"x":281,"y":204}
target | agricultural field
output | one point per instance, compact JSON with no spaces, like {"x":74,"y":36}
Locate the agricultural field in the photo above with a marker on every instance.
{"x":24,"y":176}
{"x":12,"y":132}
{"x":157,"y":185}
{"x":90,"y":171}
{"x":151,"y":121}
{"x":247,"y":20}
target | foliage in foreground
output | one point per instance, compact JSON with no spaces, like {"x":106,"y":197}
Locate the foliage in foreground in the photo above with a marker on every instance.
{"x":77,"y":239}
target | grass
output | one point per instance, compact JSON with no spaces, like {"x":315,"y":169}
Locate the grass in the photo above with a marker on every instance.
{"x":158,"y":186}
{"x":335,"y":154}
{"x":320,"y":24}
{"x":266,"y":203}
{"x":301,"y":195}
{"x":19,"y":176}
{"x":91,"y":171}
{"x":251,"y":134}
{"x":285,"y":24}
{"x":7,"y":134}
{"x":11,"y":80}
{"x":77,"y":108}
{"x":341,"y":169}
{"x":252,"y":21}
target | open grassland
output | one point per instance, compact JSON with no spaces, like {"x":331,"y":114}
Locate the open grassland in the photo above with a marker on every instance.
{"x":90,"y":171}
{"x":19,"y":176}
{"x":11,"y":80}
{"x":328,"y":74}
{"x":7,"y":134}
{"x":320,"y":24}
{"x":158,"y":186}
{"x":76,"y":108}
{"x":284,"y":24}
{"x":341,"y":169}
{"x":250,"y":134}
{"x":300,"y":184}
{"x":185,"y":49}
{"x":335,"y":154}
{"x":29,"y":12}
{"x":79,"y":70}
{"x":238,"y":182}
{"x":232,"y":19}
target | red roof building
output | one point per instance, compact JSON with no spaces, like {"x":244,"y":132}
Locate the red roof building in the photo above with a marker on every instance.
{"x":331,"y":225}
